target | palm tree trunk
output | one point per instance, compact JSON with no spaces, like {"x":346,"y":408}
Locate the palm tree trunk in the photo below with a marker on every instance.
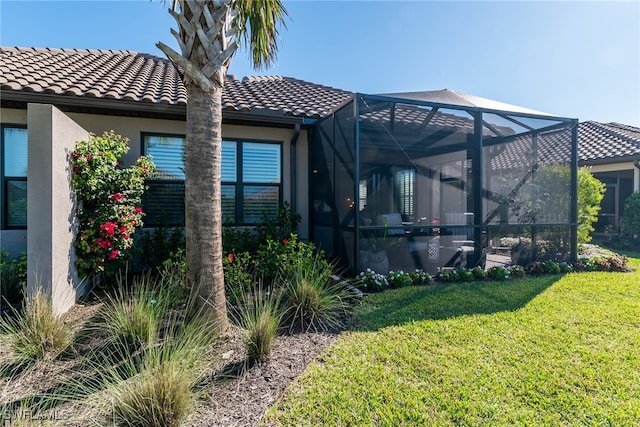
{"x":203,"y":221}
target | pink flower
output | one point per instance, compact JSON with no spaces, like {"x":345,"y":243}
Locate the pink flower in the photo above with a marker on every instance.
{"x":103,"y":243}
{"x":114,"y":253}
{"x":230,"y":257}
{"x":285,"y":241}
{"x":124,"y":229}
{"x":109,"y":228}
{"x":117,"y":197}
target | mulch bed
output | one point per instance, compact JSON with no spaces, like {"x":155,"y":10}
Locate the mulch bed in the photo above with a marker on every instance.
{"x":231,"y":393}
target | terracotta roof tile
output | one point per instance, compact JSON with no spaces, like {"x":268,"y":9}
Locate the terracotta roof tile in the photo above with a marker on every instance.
{"x":139,"y":77}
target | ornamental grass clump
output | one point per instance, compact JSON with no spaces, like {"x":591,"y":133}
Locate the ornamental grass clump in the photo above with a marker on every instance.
{"x":158,"y":396}
{"x":312,"y":301}
{"x":132,"y":316}
{"x":258,"y":313}
{"x":35,"y":332}
{"x":157,"y":391}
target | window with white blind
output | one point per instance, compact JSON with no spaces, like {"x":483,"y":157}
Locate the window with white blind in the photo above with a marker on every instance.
{"x":13,"y":161}
{"x":251,"y":180}
{"x":405,"y":182}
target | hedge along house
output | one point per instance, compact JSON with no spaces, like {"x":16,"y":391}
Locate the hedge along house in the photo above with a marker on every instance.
{"x":432,"y":178}
{"x":52,"y":98}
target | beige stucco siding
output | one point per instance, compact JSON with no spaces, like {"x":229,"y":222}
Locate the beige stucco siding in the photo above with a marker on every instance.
{"x":132,"y":128}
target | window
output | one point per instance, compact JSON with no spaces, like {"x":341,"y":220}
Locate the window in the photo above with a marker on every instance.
{"x":14,"y":177}
{"x":164,"y":199}
{"x":405,"y":181}
{"x":251,"y":180}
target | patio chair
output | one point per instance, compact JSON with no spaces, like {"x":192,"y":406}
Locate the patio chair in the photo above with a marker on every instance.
{"x":456,"y":243}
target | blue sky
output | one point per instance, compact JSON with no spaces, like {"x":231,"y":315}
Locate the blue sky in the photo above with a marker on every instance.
{"x":570,"y":58}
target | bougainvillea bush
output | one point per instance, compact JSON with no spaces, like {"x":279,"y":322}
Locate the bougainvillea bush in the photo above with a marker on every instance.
{"x":108,"y":201}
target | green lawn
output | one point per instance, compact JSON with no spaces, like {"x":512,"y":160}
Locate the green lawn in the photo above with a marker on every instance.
{"x":555,"y":350}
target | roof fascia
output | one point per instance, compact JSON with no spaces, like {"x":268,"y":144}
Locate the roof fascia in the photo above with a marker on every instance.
{"x":610,"y":160}
{"x":172,"y":111}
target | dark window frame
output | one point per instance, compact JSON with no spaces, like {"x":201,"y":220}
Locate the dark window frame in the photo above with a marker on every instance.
{"x":239,"y":184}
{"x":4,"y":180}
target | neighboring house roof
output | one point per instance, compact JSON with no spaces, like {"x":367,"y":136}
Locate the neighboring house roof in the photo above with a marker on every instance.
{"x":598,"y":143}
{"x":607,"y":142}
{"x":138,"y":81}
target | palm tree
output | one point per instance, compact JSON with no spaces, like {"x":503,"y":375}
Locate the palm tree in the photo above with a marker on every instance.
{"x":209,"y":33}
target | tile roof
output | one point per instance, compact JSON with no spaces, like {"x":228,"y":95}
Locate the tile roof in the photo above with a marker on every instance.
{"x":142,"y":78}
{"x":601,"y":142}
{"x":597,"y":143}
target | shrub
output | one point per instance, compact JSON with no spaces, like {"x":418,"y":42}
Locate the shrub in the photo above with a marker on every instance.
{"x":498,"y":273}
{"x":283,"y":226}
{"x":109,"y":199}
{"x":398,"y":279}
{"x":516,"y":271}
{"x":13,"y":278}
{"x":465,"y":274}
{"x":237,"y":239}
{"x":258,"y":313}
{"x":565,"y":267}
{"x":630,"y":224}
{"x":551,"y":267}
{"x":585,"y":264}
{"x":371,"y":281}
{"x":153,"y":247}
{"x":282,"y":257}
{"x":173,"y":278}
{"x":611,"y":262}
{"x":311,"y":300}
{"x":479,"y":273}
{"x":35,"y":332}
{"x":447,"y":276}
{"x":420,"y":278}
{"x":590,"y":194}
{"x":239,"y":276}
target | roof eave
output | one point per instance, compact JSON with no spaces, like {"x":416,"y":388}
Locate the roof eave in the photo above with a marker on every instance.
{"x":155,"y":110}
{"x":621,"y":159}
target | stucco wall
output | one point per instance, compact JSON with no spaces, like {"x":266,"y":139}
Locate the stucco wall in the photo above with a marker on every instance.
{"x":51,"y":205}
{"x":132,"y":128}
